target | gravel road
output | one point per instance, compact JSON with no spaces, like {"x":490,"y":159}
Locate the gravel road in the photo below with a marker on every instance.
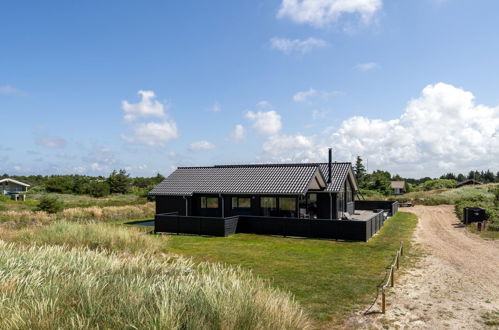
{"x":454,"y":286}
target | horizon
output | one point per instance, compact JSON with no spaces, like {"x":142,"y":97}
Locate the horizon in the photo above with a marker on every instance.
{"x":149,"y":87}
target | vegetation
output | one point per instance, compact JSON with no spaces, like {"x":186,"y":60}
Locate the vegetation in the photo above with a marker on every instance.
{"x":94,"y":213}
{"x":50,"y":205}
{"x":117,"y":182}
{"x":47,"y":287}
{"x":330,"y":278}
{"x":92,"y":235}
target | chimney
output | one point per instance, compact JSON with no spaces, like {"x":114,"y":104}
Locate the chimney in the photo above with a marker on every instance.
{"x":329,"y":165}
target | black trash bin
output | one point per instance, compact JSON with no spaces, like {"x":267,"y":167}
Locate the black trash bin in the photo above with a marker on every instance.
{"x":473,"y":214}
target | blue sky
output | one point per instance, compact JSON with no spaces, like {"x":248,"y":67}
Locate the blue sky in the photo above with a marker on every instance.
{"x":410,"y":85}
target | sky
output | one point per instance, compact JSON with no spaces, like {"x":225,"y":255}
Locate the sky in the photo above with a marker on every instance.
{"x":90,"y":86}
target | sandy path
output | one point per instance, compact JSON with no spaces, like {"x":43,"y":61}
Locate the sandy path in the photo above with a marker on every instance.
{"x":452,"y":287}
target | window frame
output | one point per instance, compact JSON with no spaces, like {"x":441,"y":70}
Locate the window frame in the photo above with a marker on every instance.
{"x":205,"y":204}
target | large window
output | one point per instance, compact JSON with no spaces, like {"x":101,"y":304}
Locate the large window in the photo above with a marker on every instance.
{"x":268,"y":206}
{"x":209,"y":202}
{"x":241,"y":202}
{"x":287,"y":206}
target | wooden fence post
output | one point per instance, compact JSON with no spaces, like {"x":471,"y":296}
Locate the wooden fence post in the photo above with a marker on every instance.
{"x":398,"y":257}
{"x":401,"y":248}
{"x":392,"y":277}
{"x":383,"y":300}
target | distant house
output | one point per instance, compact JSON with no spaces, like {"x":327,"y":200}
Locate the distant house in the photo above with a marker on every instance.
{"x":398,"y":187}
{"x":468,"y":182}
{"x":14,"y":188}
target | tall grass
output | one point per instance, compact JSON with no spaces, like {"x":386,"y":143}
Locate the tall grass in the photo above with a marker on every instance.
{"x":47,"y":287}
{"x":96,"y":236}
{"x":109,"y":213}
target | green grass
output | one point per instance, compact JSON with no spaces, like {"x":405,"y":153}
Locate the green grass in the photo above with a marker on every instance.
{"x":330,"y":278}
{"x":450,"y":196}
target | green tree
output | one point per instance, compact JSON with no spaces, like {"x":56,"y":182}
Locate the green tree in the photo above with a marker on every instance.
{"x":59,"y":184}
{"x":380,"y":181}
{"x":99,"y":189}
{"x":359,"y":170}
{"x":50,"y":205}
{"x":460,"y":177}
{"x":119,"y":182}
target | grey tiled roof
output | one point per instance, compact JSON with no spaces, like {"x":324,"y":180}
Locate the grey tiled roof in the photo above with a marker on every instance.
{"x":292,"y":179}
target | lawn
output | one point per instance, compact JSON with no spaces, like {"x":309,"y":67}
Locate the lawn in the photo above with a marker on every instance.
{"x":329,"y":278}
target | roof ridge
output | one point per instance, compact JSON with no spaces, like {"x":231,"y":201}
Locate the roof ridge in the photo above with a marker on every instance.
{"x":262,"y":165}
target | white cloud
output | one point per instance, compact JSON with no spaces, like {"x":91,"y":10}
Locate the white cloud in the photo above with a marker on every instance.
{"x":201,"y":145}
{"x":366,"y":66}
{"x":441,"y":130}
{"x":303,"y":46}
{"x":238,"y":134}
{"x":321,"y":13}
{"x":51,"y":142}
{"x":287,"y":142}
{"x":216,"y":107}
{"x":147,"y":107}
{"x":265,"y":123}
{"x":10,"y":90}
{"x":153,"y":133}
{"x":304,"y":95}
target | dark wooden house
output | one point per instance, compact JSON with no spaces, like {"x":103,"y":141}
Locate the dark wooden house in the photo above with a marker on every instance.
{"x":313,"y":191}
{"x":305,"y":200}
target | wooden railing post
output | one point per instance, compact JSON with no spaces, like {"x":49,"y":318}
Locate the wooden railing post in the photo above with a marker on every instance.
{"x":392,"y":277}
{"x":383,"y":300}
{"x":398,"y":254}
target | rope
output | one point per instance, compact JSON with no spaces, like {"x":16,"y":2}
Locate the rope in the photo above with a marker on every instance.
{"x":386,"y":279}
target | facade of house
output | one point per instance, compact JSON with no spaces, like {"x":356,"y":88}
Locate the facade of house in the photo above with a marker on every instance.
{"x":398,"y":187}
{"x":13,"y":187}
{"x":310,"y":191}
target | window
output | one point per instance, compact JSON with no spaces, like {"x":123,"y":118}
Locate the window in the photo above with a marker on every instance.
{"x":209,"y":202}
{"x":268,"y":206}
{"x":287,"y":204}
{"x":241,"y":202}
{"x":287,"y":207}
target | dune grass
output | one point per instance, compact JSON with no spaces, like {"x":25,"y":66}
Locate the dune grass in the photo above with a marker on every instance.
{"x":95,"y":236}
{"x":53,"y":287}
{"x":94,"y":213}
{"x":330,"y":278}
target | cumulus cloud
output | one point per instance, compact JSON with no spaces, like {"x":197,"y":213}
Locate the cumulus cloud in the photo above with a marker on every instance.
{"x":265,"y":122}
{"x":238,"y":134}
{"x":201,"y":145}
{"x":441,"y":130}
{"x":303,"y":46}
{"x":153,"y":133}
{"x":147,"y":107}
{"x":366,"y":66}
{"x":321,"y":13}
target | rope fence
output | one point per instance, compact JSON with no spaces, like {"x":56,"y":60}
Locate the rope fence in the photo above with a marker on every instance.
{"x":388,"y":281}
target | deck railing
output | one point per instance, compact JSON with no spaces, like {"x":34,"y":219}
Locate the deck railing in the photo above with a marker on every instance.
{"x":352,"y":230}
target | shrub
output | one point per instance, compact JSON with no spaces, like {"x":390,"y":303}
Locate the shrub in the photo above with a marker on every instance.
{"x":438,"y":184}
{"x":99,"y":189}
{"x":47,"y":287}
{"x":50,"y":205}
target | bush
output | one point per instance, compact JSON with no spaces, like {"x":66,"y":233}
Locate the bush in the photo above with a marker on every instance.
{"x":99,"y":189}
{"x":438,"y":184}
{"x":50,"y":205}
{"x":47,"y":287}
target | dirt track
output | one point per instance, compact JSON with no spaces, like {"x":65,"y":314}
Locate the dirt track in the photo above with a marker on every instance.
{"x":454,"y":286}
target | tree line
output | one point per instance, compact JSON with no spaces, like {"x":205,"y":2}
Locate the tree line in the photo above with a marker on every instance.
{"x":379,"y":180}
{"x":118,"y":182}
